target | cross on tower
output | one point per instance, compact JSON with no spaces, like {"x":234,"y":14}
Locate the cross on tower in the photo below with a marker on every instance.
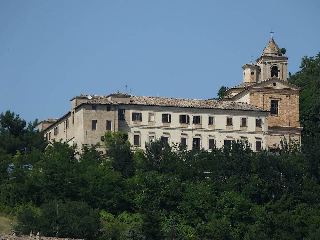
{"x":272,"y":32}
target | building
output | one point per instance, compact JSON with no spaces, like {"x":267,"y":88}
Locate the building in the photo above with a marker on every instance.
{"x":262,"y":110}
{"x":265,"y":85}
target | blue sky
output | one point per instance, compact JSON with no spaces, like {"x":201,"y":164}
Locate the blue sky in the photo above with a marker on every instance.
{"x":53,"y":50}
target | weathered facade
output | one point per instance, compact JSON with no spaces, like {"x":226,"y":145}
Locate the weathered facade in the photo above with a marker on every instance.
{"x":265,"y":85}
{"x":262,"y":110}
{"x":194,"y":123}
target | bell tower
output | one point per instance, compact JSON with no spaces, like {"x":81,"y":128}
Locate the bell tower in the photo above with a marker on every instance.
{"x":272,"y":63}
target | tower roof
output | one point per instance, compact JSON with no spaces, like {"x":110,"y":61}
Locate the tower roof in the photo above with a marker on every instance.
{"x":271,"y":49}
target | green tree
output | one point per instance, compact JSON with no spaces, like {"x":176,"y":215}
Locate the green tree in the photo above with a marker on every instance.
{"x":308,"y":79}
{"x":119,"y":150}
{"x":222,"y":92}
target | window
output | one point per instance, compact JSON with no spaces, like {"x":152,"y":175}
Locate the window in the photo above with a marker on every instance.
{"x":151,"y":117}
{"x":108,"y":109}
{"x":211,"y":121}
{"x":94,"y":124}
{"x":227,"y":143}
{"x":184,"y":119}
{"x":164,"y":139}
{"x":121,"y":114}
{"x":55,"y":131}
{"x":196,"y":119}
{"x":183,"y":141}
{"x":46,"y":138}
{"x":136,"y":117}
{"x":258,"y":145}
{"x":274,"y":107}
{"x":243,"y":122}
{"x":136,"y":140}
{"x":229,"y":121}
{"x":196,"y":143}
{"x":49,"y":135}
{"x":166,"y":118}
{"x":73,"y":117}
{"x":274,"y":71}
{"x":108,"y":125}
{"x":94,"y":108}
{"x":151,"y":138}
{"x":67,"y":123}
{"x":252,"y":73}
{"x":258,"y":122}
{"x":211,"y":143}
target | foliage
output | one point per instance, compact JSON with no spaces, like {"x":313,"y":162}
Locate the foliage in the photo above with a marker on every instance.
{"x":55,"y":218}
{"x":222,"y":92}
{"x":283,"y":51}
{"x":119,"y":150}
{"x":308,"y":79}
{"x":166,"y":192}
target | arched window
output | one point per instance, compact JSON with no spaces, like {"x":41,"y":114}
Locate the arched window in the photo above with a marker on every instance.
{"x":274,"y":71}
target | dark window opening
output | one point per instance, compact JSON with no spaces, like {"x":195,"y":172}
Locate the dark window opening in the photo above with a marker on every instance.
{"x":258,"y":122}
{"x":121,"y":114}
{"x":151,"y":138}
{"x":196,"y":120}
{"x":184,"y":119}
{"x":229,"y":121}
{"x":94,"y":124}
{"x":252,"y":73}
{"x":274,"y":71}
{"x":55,"y":131}
{"x":108,"y":125}
{"x":49,"y":135}
{"x":274,"y":84}
{"x":243,"y":122}
{"x":211,"y":121}
{"x":136,"y":140}
{"x":108,"y":109}
{"x":164,"y":139}
{"x":196,"y":143}
{"x":258,"y":146}
{"x":211,"y":143}
{"x":166,"y":118}
{"x":94,"y":108}
{"x":136,"y":117}
{"x":183,"y":141}
{"x":274,"y":107}
{"x":228,"y":143}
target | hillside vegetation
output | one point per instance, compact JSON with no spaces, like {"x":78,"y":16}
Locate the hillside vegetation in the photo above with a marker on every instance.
{"x":164,"y":192}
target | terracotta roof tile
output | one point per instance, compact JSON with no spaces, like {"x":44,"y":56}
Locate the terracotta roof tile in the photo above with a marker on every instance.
{"x":175,"y":102}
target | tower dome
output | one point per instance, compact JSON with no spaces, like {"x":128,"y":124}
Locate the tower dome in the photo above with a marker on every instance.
{"x":271,"y":49}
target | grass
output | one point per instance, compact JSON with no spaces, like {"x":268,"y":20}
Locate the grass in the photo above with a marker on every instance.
{"x":5,"y":224}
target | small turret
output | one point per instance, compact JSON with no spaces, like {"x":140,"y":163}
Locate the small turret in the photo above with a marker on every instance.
{"x":250,"y":73}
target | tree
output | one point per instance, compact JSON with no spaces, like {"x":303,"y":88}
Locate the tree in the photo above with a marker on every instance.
{"x":222,"y":92}
{"x":119,"y":150}
{"x":308,"y":79}
{"x":15,"y":136}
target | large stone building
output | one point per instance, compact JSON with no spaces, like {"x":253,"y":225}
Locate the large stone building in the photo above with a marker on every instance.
{"x":262,"y":110}
{"x":265,"y":85}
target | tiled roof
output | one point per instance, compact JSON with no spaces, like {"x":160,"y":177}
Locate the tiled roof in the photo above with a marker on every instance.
{"x":173,"y":102}
{"x":244,"y":85}
{"x":191,"y":103}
